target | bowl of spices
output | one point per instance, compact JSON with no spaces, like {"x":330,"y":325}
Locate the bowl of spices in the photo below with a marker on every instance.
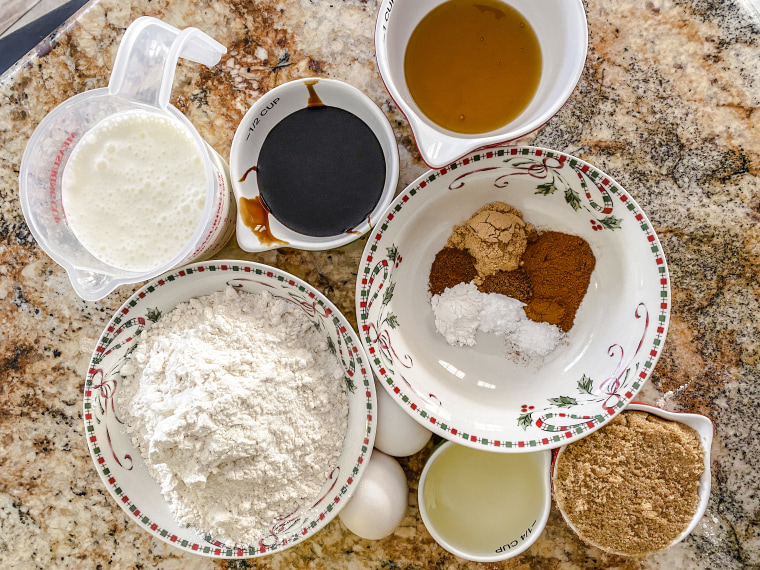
{"x":313,"y":164}
{"x":639,"y":485}
{"x":514,"y":301}
{"x":470,"y":73}
{"x":229,"y":409}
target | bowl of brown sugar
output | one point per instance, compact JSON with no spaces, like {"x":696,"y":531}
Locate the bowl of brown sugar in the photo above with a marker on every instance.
{"x":513,"y":301}
{"x":640,"y":484}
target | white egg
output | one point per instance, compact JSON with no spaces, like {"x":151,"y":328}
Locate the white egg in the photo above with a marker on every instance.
{"x":379,"y":502}
{"x":397,"y":433}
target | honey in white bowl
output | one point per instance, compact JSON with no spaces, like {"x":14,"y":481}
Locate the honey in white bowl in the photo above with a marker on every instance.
{"x":472,"y":66}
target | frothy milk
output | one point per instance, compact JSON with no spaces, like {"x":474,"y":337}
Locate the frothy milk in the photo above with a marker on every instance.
{"x":134,"y":190}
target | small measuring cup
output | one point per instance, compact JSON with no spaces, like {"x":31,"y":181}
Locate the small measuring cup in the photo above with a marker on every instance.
{"x":141,"y":80}
{"x":483,"y":530}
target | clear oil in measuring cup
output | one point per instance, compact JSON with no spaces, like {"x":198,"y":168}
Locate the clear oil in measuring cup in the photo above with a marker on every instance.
{"x":481,"y":501}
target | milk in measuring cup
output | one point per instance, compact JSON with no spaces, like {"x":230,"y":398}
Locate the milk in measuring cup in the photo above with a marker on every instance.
{"x":134,"y":190}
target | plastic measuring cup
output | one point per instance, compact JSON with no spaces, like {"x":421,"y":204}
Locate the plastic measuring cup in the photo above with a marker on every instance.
{"x":141,"y":80}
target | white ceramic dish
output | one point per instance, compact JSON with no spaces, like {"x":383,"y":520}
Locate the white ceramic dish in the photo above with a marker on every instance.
{"x":704,"y":427}
{"x":477,"y":396}
{"x":560,"y":26}
{"x":119,"y":463}
{"x":509,"y":545}
{"x":269,"y":110}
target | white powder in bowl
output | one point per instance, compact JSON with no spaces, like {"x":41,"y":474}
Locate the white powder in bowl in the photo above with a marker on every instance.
{"x":238,"y":408}
{"x":457,"y":313}
{"x":461,"y":311}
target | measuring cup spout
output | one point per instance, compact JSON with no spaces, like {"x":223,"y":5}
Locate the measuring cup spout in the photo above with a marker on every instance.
{"x":90,"y":285}
{"x":147,"y":59}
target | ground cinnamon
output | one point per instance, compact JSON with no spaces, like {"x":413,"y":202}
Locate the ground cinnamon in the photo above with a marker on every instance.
{"x":559,"y":268}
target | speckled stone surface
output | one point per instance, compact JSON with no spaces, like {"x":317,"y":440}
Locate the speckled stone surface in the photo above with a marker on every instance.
{"x":667,"y":105}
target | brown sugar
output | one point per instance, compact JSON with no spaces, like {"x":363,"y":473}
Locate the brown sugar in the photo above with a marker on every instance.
{"x":631,"y":487}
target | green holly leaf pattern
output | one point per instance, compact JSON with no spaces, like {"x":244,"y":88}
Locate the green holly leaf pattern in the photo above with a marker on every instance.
{"x":331,"y":346}
{"x":153,"y":315}
{"x":572,"y":198}
{"x":563,"y":401}
{"x":525,"y":420}
{"x":546,"y":189}
{"x":392,"y":320}
{"x":611,"y":222}
{"x":585,"y":384}
{"x":350,"y":386}
{"x":392,"y":252}
{"x":388,"y":294}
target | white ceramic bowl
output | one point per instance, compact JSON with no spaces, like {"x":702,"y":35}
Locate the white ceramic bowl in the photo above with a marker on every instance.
{"x":476,"y":395}
{"x":261,"y":118}
{"x":509,"y":544}
{"x":119,"y":463}
{"x":699,"y":423}
{"x":560,"y":26}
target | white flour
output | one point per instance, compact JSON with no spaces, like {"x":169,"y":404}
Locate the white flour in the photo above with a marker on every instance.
{"x":238,"y":408}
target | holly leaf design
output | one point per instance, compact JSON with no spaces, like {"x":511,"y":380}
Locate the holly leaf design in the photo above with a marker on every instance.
{"x":525,"y":420}
{"x":572,"y":198}
{"x":546,"y":189}
{"x":331,"y":346}
{"x":611,"y":222}
{"x":585,"y":384}
{"x":392,"y":253}
{"x":350,"y":386}
{"x":153,"y":315}
{"x":392,"y":320}
{"x":388,"y":294}
{"x":563,"y":401}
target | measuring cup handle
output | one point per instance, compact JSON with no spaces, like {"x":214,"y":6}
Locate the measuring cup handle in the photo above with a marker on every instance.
{"x":147,"y":59}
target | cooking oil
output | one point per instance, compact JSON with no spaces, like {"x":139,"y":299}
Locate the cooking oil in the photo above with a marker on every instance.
{"x":484,"y":503}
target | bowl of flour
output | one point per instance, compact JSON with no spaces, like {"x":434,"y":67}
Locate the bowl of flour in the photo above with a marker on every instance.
{"x":229,"y":409}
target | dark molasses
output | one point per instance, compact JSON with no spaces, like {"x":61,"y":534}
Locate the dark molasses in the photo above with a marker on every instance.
{"x":321,"y":171}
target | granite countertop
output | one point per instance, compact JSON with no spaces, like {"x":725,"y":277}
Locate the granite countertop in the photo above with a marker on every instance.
{"x":667,"y":105}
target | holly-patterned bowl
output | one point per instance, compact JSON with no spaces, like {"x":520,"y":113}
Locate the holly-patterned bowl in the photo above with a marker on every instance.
{"x":479,"y":396}
{"x":119,"y":463}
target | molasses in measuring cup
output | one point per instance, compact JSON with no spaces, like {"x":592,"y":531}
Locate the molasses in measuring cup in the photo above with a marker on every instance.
{"x":116,"y":184}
